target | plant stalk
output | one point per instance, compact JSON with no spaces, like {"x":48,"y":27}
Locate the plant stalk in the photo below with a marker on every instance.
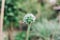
{"x":28,"y":30}
{"x":1,"y":20}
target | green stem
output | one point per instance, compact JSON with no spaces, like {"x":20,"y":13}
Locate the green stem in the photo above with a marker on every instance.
{"x":28,"y":30}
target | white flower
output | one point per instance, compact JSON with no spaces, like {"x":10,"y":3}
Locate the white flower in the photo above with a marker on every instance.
{"x":29,"y":18}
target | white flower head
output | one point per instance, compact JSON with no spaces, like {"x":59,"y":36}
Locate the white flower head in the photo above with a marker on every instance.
{"x":29,"y":18}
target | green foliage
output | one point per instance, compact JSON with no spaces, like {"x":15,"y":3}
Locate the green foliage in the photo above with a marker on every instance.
{"x":57,"y":35}
{"x":58,"y":2}
{"x":15,"y":10}
{"x":11,"y":13}
{"x":41,"y":29}
{"x":20,"y":36}
{"x":0,"y":3}
{"x":45,"y":28}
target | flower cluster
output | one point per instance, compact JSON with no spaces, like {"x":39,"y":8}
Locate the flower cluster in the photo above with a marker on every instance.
{"x":29,"y":18}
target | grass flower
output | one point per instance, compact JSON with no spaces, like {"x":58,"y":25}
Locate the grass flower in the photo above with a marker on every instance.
{"x":29,"y":18}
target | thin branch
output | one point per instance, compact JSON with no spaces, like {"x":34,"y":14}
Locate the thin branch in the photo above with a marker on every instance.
{"x":1,"y":22}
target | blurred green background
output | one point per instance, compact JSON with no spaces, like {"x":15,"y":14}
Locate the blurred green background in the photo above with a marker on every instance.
{"x":46,"y":26}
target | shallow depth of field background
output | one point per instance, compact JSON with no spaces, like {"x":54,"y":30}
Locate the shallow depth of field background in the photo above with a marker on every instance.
{"x":46,"y":26}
